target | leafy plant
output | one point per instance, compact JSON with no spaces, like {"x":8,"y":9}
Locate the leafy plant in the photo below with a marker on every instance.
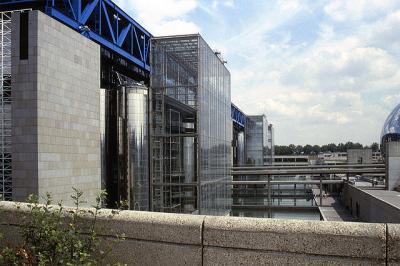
{"x":54,"y":235}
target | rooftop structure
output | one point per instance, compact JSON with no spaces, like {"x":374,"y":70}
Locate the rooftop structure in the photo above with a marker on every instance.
{"x":101,"y":21}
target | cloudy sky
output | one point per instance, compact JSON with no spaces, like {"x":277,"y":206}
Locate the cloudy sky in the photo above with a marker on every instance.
{"x":322,"y":71}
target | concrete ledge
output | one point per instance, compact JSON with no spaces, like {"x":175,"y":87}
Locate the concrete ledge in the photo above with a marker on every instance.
{"x":178,"y":239}
{"x":163,"y":227}
{"x":151,"y":226}
{"x":353,"y":240}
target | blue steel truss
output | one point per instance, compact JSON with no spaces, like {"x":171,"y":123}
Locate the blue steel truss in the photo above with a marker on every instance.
{"x":103,"y":22}
{"x":238,"y":117}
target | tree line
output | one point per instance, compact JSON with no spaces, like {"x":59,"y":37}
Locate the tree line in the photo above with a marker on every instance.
{"x":315,"y":149}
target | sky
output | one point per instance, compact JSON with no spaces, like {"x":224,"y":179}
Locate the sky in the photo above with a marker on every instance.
{"x":321,"y":71}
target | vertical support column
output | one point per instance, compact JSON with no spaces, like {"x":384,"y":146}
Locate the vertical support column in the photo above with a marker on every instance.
{"x":320,"y":190}
{"x":294,"y":194}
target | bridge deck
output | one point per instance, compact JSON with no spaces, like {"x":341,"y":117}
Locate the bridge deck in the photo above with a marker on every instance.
{"x":332,"y":209}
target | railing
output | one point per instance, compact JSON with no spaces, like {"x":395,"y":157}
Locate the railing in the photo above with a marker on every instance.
{"x":270,"y":176}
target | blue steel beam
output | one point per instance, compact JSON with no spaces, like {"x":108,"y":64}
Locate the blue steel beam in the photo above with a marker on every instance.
{"x":238,"y":117}
{"x":103,"y":22}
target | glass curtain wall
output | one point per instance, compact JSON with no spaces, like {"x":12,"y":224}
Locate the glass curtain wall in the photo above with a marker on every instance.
{"x":187,"y":71}
{"x":215,"y":132}
{"x":173,"y":126}
{"x":256,"y":139}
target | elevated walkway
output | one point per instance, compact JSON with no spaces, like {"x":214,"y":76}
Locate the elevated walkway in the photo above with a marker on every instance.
{"x":332,"y":209}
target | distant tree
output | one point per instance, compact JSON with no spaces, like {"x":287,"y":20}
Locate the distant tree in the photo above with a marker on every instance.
{"x":375,"y":147}
{"x":307,"y":149}
{"x":292,"y":148}
{"x":315,"y":149}
{"x":299,"y":150}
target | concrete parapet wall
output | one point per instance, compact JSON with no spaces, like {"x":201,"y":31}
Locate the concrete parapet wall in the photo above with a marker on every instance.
{"x":177,"y":239}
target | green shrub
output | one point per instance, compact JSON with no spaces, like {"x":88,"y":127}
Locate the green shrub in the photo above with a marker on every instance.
{"x":53,"y":235}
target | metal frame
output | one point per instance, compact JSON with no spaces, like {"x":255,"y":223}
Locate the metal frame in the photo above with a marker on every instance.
{"x":5,"y":106}
{"x":101,"y":21}
{"x":238,"y":117}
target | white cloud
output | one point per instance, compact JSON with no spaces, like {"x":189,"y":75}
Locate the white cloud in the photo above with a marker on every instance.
{"x":227,"y":3}
{"x":344,"y":10}
{"x":321,"y":92}
{"x":162,"y":17}
{"x":337,"y":85}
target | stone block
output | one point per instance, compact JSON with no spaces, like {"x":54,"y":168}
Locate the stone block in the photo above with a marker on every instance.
{"x":143,"y":253}
{"x":355,"y":240}
{"x":162,"y":227}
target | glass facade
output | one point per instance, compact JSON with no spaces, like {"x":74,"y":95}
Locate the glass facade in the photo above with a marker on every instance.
{"x":190,"y":127}
{"x":270,"y":156}
{"x":256,"y":140}
{"x":215,"y":131}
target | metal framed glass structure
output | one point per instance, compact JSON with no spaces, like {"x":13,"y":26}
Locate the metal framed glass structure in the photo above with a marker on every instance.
{"x":190,"y":126}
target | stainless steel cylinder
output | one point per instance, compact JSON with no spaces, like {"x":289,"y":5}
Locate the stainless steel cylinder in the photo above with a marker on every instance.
{"x":137,"y":146}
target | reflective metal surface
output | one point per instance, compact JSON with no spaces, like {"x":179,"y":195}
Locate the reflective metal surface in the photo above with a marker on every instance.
{"x":241,"y":149}
{"x":256,"y":140}
{"x":103,"y":137}
{"x":137,"y":143}
{"x":391,"y":128}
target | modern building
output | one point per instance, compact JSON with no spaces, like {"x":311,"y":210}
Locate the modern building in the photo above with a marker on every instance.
{"x":86,"y":112}
{"x":258,"y":143}
{"x":253,"y":140}
{"x":359,"y":156}
{"x":332,"y":158}
{"x":291,"y":160}
{"x":271,"y":144}
{"x":190,"y":127}
{"x":99,"y":103}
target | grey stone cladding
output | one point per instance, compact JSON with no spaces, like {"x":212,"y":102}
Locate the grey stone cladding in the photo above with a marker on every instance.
{"x":55,"y":111}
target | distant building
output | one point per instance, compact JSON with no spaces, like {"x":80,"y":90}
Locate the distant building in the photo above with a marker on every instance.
{"x":271,"y":144}
{"x":252,"y":139}
{"x":332,"y":158}
{"x":291,"y":160}
{"x":257,"y":141}
{"x":359,"y":156}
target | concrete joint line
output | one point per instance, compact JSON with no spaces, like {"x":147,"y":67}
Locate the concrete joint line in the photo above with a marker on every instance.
{"x":387,"y":244}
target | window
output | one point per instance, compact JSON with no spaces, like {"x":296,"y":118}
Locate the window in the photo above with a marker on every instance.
{"x":23,"y":36}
